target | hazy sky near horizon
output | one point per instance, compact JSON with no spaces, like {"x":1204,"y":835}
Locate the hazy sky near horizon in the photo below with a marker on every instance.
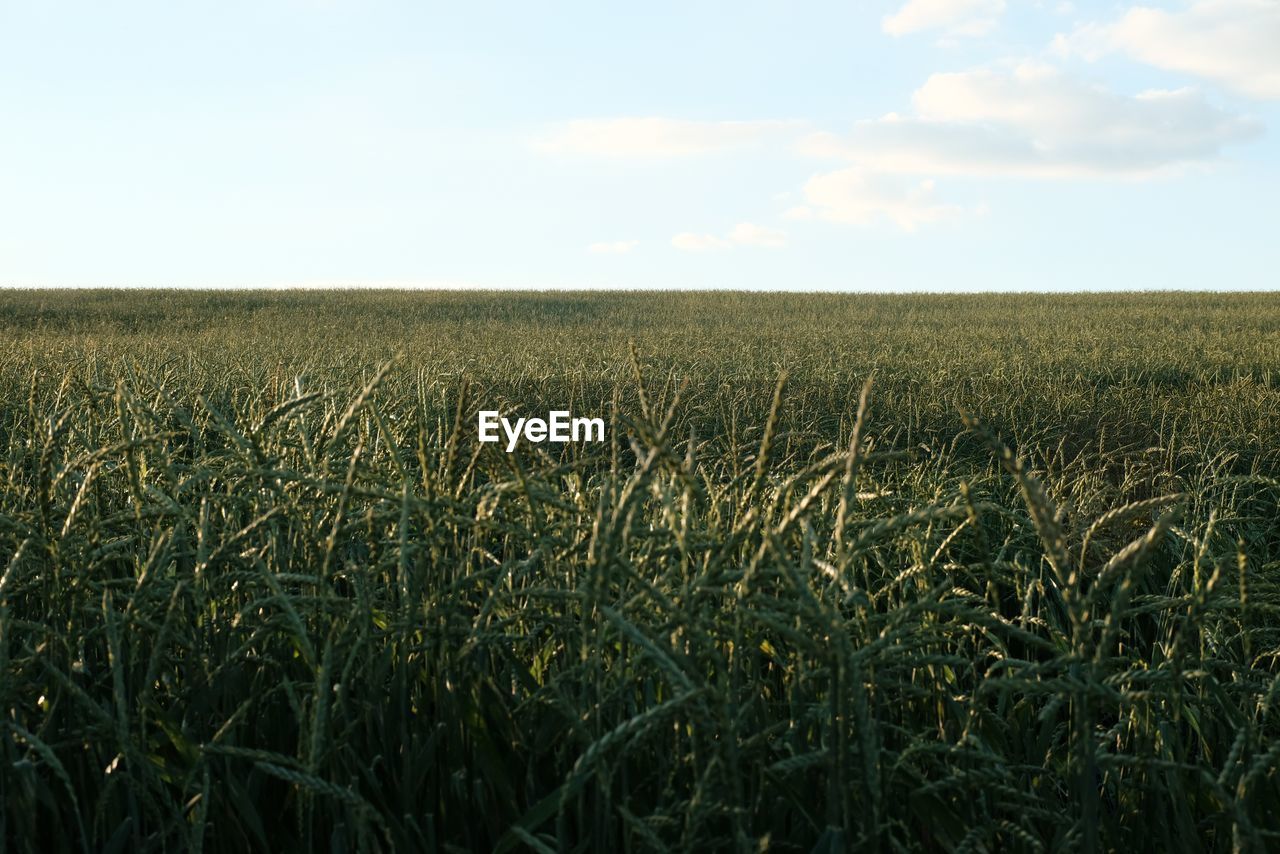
{"x":904,"y":145}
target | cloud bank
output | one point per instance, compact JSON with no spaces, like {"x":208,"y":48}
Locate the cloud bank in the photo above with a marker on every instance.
{"x":742,"y":234}
{"x":955,"y":17}
{"x":1033,"y":121}
{"x":857,"y":196}
{"x":1235,"y":43}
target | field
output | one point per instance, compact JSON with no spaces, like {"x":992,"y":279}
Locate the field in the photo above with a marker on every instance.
{"x":919,"y":573}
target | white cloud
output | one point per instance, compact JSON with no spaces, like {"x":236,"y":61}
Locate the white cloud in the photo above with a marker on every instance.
{"x":748,"y":234}
{"x":613,"y":247}
{"x":955,"y":17}
{"x":1034,"y":121}
{"x":653,"y":136}
{"x":1233,"y":42}
{"x":690,"y":242}
{"x":742,"y":234}
{"x":858,"y":196}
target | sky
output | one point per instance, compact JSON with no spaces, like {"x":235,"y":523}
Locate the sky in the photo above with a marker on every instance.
{"x":895,"y":145}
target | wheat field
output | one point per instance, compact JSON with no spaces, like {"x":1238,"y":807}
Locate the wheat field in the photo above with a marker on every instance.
{"x":850,"y":572}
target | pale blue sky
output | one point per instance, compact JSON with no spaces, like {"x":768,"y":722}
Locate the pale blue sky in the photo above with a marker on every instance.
{"x":905,"y":145}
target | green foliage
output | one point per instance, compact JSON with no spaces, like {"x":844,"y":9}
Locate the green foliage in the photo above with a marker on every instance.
{"x":260,"y":587}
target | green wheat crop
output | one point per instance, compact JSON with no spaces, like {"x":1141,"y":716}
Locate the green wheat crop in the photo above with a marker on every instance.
{"x":921,"y":573}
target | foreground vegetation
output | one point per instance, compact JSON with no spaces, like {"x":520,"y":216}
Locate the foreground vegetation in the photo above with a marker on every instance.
{"x":876,"y":573}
